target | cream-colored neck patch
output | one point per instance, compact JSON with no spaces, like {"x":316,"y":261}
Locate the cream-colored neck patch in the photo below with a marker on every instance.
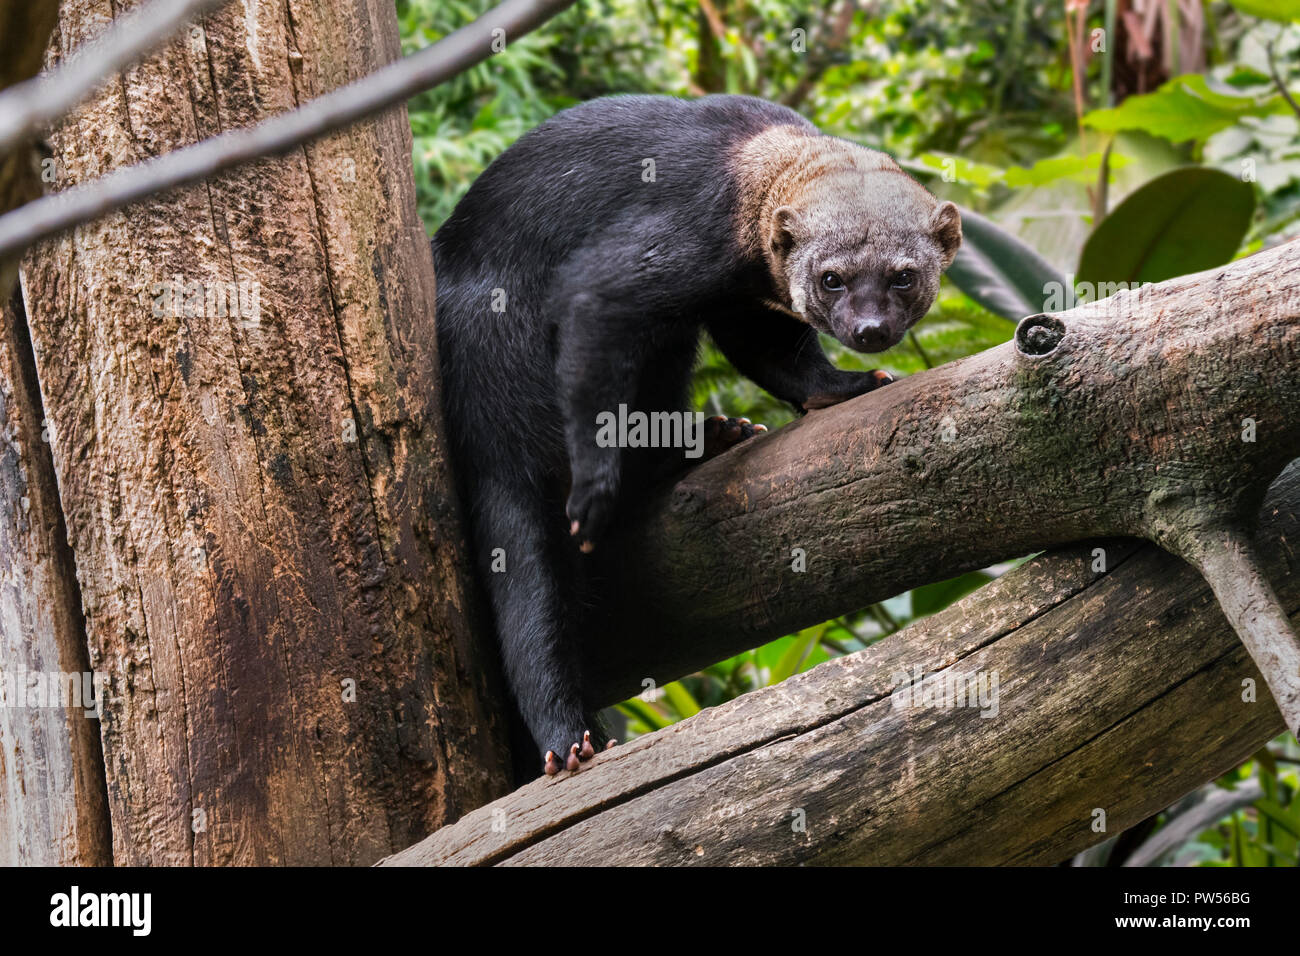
{"x":782,"y":166}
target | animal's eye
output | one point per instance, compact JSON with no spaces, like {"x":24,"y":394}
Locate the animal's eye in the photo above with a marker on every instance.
{"x":832,"y":282}
{"x":901,"y":280}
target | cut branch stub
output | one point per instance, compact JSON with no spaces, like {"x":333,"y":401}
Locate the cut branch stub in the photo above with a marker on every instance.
{"x":1039,"y":334}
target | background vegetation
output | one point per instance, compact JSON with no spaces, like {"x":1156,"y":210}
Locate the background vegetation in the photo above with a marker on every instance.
{"x":1104,"y":141}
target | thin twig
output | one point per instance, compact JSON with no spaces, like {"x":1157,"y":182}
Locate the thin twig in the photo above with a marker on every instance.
{"x":820,"y":62}
{"x":1277,"y":79}
{"x":453,"y":54}
{"x":1076,"y":15}
{"x":916,"y":344}
{"x":715,"y":19}
{"x":29,"y":108}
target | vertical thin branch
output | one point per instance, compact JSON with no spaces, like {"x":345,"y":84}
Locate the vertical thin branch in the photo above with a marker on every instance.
{"x":1277,"y":79}
{"x":1228,"y":562}
{"x":1076,"y":14}
{"x":1108,"y":60}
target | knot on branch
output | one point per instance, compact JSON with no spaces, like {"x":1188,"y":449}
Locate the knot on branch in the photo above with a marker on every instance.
{"x":1039,"y":334}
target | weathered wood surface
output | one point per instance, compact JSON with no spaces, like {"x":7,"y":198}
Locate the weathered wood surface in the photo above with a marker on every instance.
{"x":1119,"y":691}
{"x":1135,"y":424}
{"x":53,"y":809}
{"x":258,"y":504}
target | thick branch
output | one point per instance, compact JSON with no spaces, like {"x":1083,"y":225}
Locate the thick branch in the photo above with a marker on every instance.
{"x":1117,"y":692}
{"x":1161,"y":413}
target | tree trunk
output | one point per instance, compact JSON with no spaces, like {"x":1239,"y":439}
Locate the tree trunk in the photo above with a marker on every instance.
{"x":1117,"y":692}
{"x":241,"y":384}
{"x":53,"y":809}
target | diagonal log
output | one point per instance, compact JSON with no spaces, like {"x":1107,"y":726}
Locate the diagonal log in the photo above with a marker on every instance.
{"x":1118,"y":691}
{"x":1162,"y":412}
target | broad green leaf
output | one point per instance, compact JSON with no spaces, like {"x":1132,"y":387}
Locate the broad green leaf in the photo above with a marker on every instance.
{"x":935,"y":597}
{"x":638,"y":709}
{"x":1080,"y":169}
{"x":1283,"y":10}
{"x":1245,"y":76}
{"x":1187,"y":220}
{"x":796,"y":653}
{"x":681,"y":700}
{"x":1279,"y":815}
{"x":999,"y":271}
{"x":961,"y":170}
{"x":769,"y":655}
{"x":1183,"y":108}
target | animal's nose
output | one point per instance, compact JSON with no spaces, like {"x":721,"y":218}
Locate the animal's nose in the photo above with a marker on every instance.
{"x":870,"y":335}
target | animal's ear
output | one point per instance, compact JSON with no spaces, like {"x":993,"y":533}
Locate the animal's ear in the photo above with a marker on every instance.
{"x":945,"y":226}
{"x":787,"y":229}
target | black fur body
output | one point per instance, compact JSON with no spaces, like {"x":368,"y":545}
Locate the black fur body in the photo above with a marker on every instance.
{"x":568,"y":284}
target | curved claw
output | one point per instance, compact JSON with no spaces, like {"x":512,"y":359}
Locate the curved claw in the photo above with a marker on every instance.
{"x":577,"y":755}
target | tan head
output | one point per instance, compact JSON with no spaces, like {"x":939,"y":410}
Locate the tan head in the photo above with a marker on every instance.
{"x":854,"y":245}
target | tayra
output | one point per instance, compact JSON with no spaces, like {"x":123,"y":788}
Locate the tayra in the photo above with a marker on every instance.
{"x":575,"y":277}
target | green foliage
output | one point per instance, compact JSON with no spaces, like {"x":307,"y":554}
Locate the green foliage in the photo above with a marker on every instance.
{"x":1236,"y":118}
{"x":1185,"y":108}
{"x":932,"y":598}
{"x":1283,"y":10}
{"x":1079,"y":169}
{"x":1264,"y":832}
{"x":999,"y":271}
{"x":975,"y":97}
{"x":1187,"y":220}
{"x":1264,"y":149}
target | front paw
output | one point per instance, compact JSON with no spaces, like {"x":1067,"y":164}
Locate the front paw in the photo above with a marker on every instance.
{"x":721,"y":433}
{"x":590,"y":508}
{"x":867,"y":382}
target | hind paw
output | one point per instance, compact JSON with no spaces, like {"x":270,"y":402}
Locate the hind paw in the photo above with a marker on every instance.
{"x":574,"y":757}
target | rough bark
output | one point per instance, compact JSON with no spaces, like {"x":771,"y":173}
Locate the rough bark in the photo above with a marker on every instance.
{"x":53,"y":809}
{"x":259,"y":505}
{"x":1119,"y":691}
{"x":1162,"y":413}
